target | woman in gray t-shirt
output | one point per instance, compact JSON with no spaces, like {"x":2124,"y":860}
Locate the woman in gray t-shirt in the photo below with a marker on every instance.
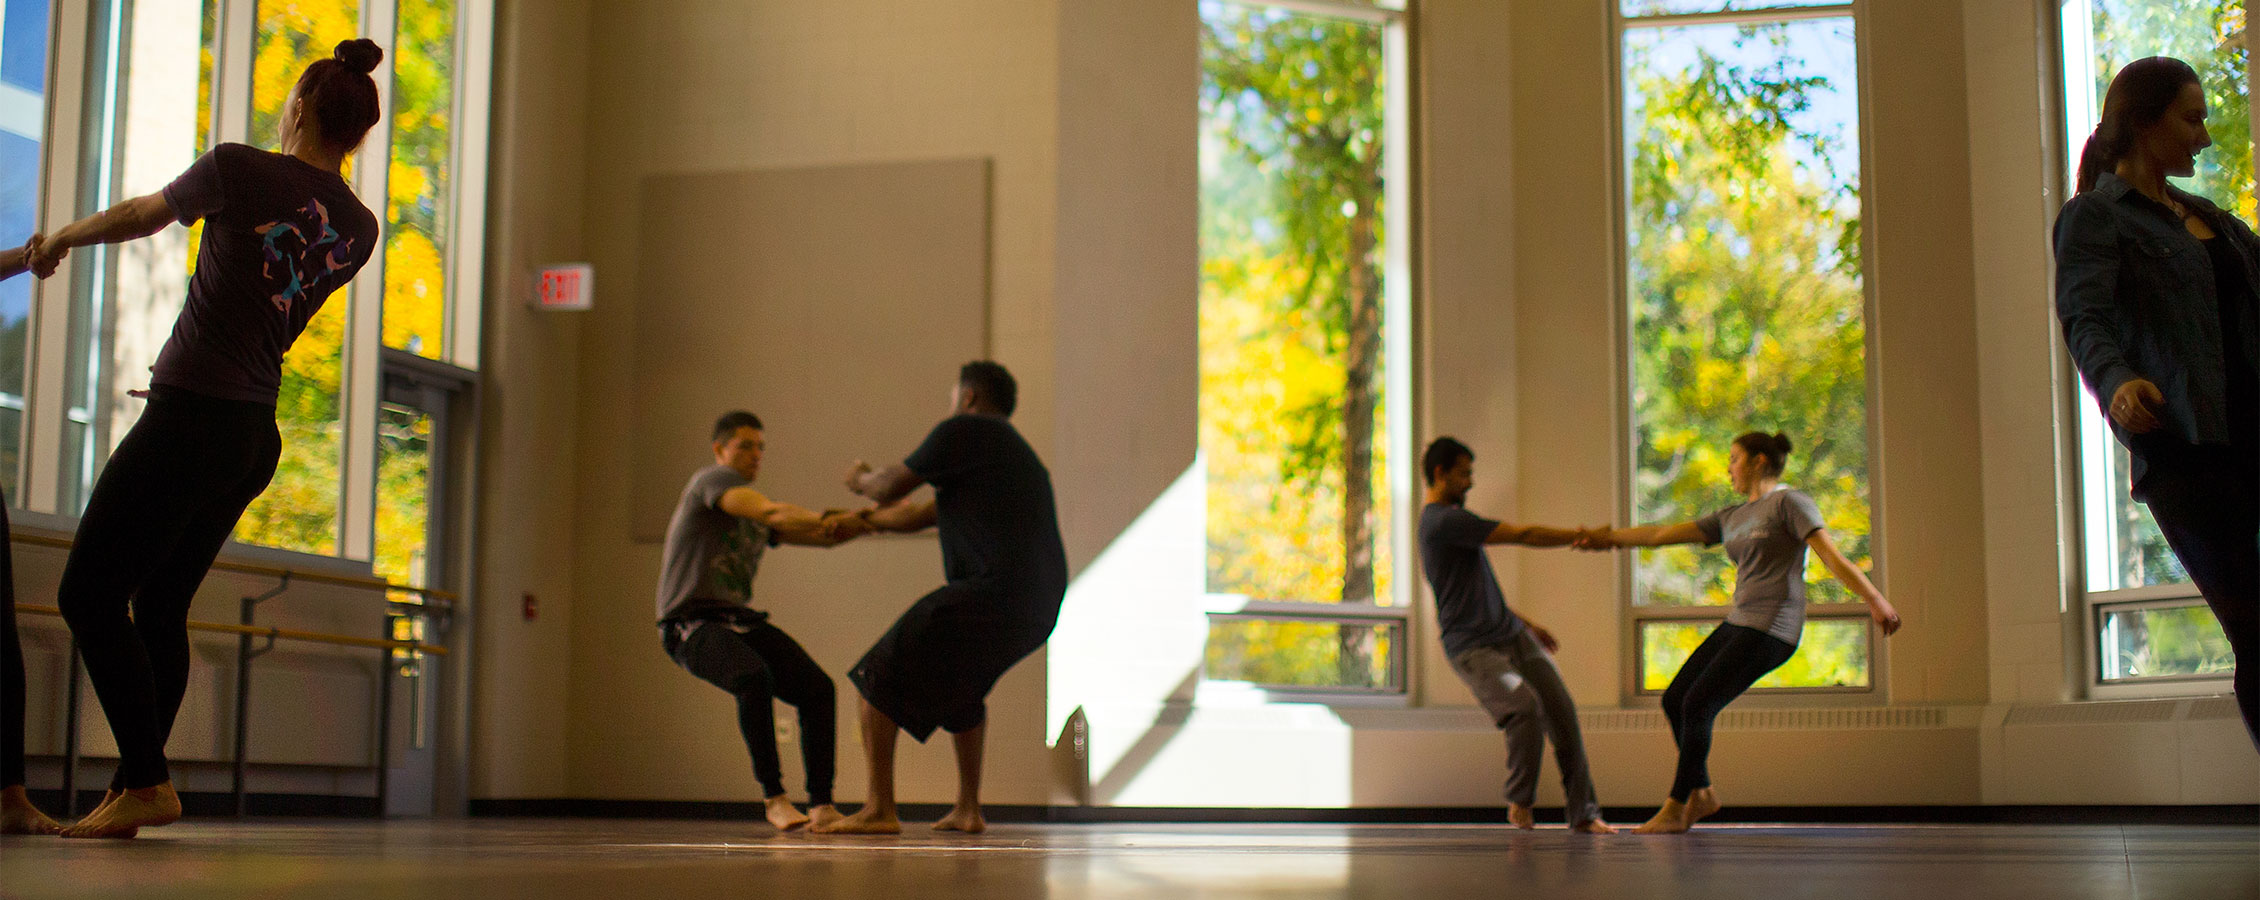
{"x":1766,"y":535}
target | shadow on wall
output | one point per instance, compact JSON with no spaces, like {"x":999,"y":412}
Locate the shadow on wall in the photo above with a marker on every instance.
{"x":1107,"y":789}
{"x":1135,"y":620}
{"x":1128,"y":653}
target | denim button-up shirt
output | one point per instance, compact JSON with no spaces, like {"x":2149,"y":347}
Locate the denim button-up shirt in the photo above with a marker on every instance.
{"x":2137,"y":298}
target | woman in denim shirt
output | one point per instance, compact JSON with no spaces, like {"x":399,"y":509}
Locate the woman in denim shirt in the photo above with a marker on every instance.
{"x":2155,"y":288}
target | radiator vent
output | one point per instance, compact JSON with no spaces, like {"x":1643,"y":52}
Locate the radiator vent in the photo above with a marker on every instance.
{"x":2214,"y":708}
{"x":2125,"y":712}
{"x":1622,"y":720}
{"x":1842,"y":719}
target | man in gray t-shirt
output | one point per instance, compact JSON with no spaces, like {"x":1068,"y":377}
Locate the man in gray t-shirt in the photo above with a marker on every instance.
{"x":708,"y":625}
{"x":1501,"y":657}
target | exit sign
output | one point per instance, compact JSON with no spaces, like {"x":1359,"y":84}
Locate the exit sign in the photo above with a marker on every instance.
{"x":568,"y":286}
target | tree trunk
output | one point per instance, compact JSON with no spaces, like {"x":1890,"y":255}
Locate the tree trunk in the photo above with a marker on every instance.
{"x":1360,"y":398}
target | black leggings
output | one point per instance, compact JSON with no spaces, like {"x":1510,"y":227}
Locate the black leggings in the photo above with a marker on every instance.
{"x":2207,"y":503}
{"x":759,"y":667}
{"x":1729,"y":661}
{"x":11,"y":668}
{"x":167,"y":500}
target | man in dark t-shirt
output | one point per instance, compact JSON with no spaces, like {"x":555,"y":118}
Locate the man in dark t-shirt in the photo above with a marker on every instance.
{"x":1007,"y":572}
{"x":1502,"y":657}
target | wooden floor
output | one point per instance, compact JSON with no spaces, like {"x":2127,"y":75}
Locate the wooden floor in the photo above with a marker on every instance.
{"x":554,"y":859}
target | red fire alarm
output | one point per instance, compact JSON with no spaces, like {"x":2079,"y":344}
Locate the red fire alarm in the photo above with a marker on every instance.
{"x":566,"y":286}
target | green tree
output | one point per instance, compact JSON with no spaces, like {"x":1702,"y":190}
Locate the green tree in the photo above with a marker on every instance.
{"x":1745,"y":284}
{"x":423,"y":96}
{"x":1292,"y":309}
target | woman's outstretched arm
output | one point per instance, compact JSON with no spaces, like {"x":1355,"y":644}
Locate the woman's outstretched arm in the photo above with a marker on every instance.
{"x":1879,"y":609}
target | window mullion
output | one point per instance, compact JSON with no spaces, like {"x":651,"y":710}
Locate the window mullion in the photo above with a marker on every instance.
{"x":364,"y":334}
{"x":1738,"y":16}
{"x":231,"y":72}
{"x":465,"y":253}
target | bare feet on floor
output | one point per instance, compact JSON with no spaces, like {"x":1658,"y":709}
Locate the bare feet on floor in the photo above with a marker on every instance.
{"x":823,"y":816}
{"x":18,"y":816}
{"x":867,"y":820}
{"x":1673,"y":818}
{"x":1701,"y":804}
{"x":108,"y":797}
{"x":129,"y":812}
{"x":1593,"y":826}
{"x":780,"y":812}
{"x":1520,"y":816}
{"x":963,"y":818}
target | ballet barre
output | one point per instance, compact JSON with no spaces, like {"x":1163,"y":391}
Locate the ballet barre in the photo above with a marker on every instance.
{"x":430,"y":601}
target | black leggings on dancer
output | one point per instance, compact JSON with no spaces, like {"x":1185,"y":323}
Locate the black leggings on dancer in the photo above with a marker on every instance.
{"x":2207,"y":503}
{"x":758,"y":667}
{"x":167,"y":500}
{"x":1729,"y":661}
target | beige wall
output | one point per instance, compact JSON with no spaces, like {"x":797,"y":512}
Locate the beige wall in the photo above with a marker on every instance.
{"x":530,"y":384}
{"x":722,"y":86}
{"x":1085,"y":109}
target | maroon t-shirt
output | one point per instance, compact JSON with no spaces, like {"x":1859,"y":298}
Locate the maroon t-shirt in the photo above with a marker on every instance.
{"x":280,"y":235}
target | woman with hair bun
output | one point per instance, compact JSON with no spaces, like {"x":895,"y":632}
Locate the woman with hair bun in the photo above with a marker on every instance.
{"x":282,"y":232}
{"x":2158,"y":291}
{"x":1766,"y":535}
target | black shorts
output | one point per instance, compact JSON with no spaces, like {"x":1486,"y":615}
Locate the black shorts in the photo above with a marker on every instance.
{"x":935,"y":667}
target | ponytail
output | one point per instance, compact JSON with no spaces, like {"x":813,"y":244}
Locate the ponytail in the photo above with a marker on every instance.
{"x":339,"y":94}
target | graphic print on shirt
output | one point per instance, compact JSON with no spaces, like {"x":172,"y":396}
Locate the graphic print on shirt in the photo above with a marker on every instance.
{"x":297,"y":247}
{"x":732,"y":568}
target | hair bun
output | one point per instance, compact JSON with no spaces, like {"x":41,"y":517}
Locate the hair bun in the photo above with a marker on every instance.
{"x":359,"y":54}
{"x":1781,"y":441}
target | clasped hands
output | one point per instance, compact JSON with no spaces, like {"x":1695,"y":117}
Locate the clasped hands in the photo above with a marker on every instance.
{"x":1596,"y":538}
{"x":847,"y":524}
{"x":43,"y":256}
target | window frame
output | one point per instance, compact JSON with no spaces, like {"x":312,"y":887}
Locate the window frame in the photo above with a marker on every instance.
{"x":1399,"y":388}
{"x":1634,"y":615}
{"x":2087,"y":608}
{"x":74,"y":114}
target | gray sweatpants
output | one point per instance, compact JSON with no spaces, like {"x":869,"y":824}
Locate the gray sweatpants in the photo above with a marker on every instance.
{"x":1516,"y":683}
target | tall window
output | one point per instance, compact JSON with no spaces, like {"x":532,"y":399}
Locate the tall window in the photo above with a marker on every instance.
{"x":2149,"y":624}
{"x":1743,"y":250}
{"x":23,"y":114}
{"x":1300,"y":340}
{"x":149,"y":115}
{"x":416,"y":215}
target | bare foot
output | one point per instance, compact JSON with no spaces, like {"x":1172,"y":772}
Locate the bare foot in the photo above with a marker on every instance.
{"x":1701,"y":804}
{"x":108,"y":797}
{"x":781,"y":813}
{"x":18,"y":816}
{"x":963,"y":818}
{"x":865,"y":821}
{"x":1594,"y":826}
{"x":820,"y":817}
{"x":133,"y":810}
{"x":1520,"y":816}
{"x":1671,"y":819}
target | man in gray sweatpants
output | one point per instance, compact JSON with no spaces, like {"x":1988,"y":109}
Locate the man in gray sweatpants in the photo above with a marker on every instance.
{"x":1500,"y":656}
